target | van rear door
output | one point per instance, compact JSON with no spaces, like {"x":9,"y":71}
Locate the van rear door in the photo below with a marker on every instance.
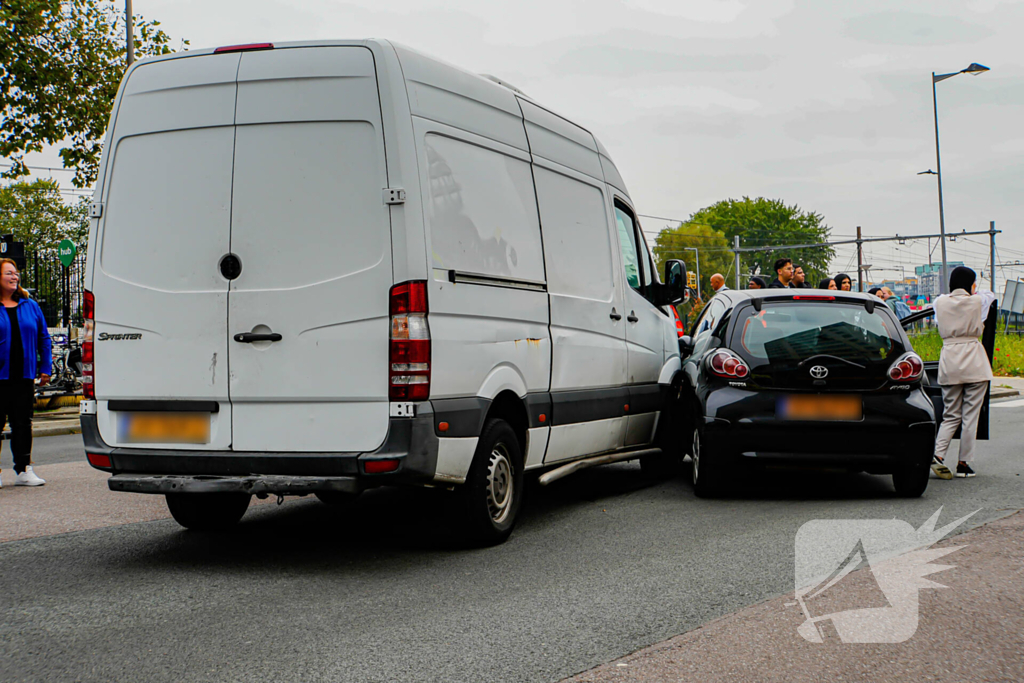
{"x":312,"y":232}
{"x":161,"y":329}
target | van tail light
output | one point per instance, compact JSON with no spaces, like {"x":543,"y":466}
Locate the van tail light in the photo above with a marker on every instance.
{"x":728,"y":365}
{"x":247,"y":47}
{"x":88,"y":376}
{"x":907,"y":368}
{"x":409,"y":355}
{"x":679,"y":322}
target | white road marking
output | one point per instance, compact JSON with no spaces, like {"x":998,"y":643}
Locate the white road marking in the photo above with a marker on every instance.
{"x":1016,"y":403}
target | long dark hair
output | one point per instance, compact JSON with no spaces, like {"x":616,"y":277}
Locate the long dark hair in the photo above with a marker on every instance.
{"x":19,"y":291}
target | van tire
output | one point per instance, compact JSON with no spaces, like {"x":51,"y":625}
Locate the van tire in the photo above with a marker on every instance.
{"x":337,"y":499}
{"x":493,"y":492}
{"x":912,"y":480}
{"x":207,"y":511}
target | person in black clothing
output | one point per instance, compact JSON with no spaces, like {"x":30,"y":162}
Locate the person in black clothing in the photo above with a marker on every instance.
{"x":827,"y":283}
{"x":843,"y":282}
{"x":756,"y":283}
{"x":783,"y":274}
{"x":23,"y":337}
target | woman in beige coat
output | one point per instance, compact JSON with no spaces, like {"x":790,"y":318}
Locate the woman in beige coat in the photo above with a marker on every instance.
{"x":964,"y":368}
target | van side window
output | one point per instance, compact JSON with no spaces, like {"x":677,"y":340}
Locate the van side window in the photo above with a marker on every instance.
{"x":482,"y":211}
{"x":577,"y":245}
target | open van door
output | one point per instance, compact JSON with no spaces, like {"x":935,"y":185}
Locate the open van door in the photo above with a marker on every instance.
{"x":931,"y":367}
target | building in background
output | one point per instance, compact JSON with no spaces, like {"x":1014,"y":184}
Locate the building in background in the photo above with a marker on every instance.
{"x":929,"y":278}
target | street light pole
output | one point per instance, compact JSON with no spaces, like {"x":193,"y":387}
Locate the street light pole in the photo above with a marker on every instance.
{"x":974,"y":69}
{"x":129,"y":29}
{"x":944,"y":281}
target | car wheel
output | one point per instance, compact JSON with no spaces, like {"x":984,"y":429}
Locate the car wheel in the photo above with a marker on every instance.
{"x":912,"y":480}
{"x":207,"y":511}
{"x":493,"y":492}
{"x":337,"y":499}
{"x":706,"y":476}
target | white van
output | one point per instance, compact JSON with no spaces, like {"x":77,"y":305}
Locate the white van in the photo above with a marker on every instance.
{"x":323,"y":267}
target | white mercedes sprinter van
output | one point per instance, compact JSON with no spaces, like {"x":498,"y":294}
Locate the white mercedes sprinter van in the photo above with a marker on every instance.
{"x":323,"y":267}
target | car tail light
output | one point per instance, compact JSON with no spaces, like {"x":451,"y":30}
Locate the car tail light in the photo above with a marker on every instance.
{"x":88,"y":376}
{"x":728,"y":365}
{"x":409,"y":355}
{"x":679,"y":322}
{"x":248,"y":47}
{"x":908,"y":368}
{"x":814,"y":297}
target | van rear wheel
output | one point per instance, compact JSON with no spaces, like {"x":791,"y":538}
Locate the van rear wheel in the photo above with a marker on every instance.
{"x":207,"y":511}
{"x":493,"y":492}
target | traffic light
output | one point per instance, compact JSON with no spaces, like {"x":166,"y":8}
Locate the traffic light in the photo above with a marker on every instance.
{"x":691,"y":279}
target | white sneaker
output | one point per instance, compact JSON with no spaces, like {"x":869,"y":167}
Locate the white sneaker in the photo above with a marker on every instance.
{"x":29,"y":478}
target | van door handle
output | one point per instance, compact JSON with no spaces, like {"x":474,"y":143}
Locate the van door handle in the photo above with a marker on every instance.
{"x":632,"y":317}
{"x":614,"y":315}
{"x":250,"y":337}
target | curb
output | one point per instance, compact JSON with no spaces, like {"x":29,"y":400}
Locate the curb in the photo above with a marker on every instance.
{"x":1003,"y":393}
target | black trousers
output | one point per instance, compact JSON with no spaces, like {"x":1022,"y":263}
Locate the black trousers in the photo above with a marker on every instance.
{"x":17,"y":398}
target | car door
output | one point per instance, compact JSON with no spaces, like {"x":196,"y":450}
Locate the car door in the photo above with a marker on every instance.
{"x":645,"y":322}
{"x":931,"y":367}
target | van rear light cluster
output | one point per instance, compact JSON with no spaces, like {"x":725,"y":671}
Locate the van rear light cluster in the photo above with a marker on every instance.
{"x":728,"y":365}
{"x":409,"y":355}
{"x":88,"y":377}
{"x":907,"y":368}
{"x":247,"y":47}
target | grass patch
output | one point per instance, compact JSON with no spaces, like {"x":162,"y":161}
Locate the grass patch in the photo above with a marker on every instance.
{"x":1009,"y":351}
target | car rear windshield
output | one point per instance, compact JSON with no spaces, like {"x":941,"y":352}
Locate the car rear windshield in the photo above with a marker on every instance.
{"x":788,"y":331}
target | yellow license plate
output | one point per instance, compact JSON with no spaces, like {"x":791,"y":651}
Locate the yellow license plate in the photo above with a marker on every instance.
{"x":165,"y":427}
{"x":818,"y":407}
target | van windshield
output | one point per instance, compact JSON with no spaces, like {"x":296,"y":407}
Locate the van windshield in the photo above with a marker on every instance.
{"x":788,"y":331}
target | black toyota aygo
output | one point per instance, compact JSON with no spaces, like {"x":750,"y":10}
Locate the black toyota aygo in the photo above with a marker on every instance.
{"x":803,"y":377}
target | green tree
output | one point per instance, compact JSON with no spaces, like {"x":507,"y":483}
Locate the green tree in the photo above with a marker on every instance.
{"x":36,"y":214}
{"x":712,"y":248}
{"x":763,"y":221}
{"x":60,"y":65}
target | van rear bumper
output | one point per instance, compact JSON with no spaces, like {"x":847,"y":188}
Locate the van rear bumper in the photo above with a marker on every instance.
{"x":410,"y":441}
{"x":253,"y":485}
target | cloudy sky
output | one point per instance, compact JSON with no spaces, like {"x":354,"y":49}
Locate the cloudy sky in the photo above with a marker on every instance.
{"x":823,"y":104}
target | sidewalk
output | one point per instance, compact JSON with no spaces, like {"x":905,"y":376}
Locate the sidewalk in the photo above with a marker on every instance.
{"x":971,"y":631}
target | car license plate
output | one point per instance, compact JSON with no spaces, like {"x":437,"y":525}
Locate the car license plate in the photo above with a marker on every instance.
{"x":819,"y":407}
{"x":164,"y":427}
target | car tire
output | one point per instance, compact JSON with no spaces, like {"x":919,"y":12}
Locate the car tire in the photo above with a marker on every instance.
{"x":207,"y":511}
{"x":493,"y":492}
{"x":707,"y":477}
{"x":340,"y":500}
{"x":912,"y":480}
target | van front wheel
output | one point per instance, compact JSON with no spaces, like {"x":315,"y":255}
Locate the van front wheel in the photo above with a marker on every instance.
{"x":493,"y":492}
{"x":207,"y":511}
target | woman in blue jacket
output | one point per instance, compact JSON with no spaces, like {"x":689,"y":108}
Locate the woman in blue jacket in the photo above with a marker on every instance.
{"x":23,"y":335}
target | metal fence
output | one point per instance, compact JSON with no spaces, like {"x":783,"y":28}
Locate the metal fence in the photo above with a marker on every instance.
{"x":57,"y":290}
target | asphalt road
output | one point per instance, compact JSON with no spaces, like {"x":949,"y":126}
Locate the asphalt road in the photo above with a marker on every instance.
{"x":604,"y":562}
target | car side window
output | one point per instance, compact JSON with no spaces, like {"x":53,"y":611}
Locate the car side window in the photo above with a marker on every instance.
{"x":706,"y":325}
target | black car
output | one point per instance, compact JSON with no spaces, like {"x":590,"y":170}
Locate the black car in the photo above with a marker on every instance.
{"x":804,"y":377}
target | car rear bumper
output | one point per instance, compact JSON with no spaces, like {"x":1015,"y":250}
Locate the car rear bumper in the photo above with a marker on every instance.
{"x":894,"y":430}
{"x":410,"y":441}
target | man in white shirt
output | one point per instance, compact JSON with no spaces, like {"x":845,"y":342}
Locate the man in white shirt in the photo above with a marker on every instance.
{"x":718,"y":283}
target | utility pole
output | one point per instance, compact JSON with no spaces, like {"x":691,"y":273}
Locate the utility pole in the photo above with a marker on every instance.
{"x":736,"y":243}
{"x":992,"y":252}
{"x":860,"y":262}
{"x":129,"y":26}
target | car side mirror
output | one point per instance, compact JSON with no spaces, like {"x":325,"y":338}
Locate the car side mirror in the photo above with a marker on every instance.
{"x":685,"y":345}
{"x":675,"y":281}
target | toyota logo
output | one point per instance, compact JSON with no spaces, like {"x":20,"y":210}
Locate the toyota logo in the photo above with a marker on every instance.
{"x":819,"y":372}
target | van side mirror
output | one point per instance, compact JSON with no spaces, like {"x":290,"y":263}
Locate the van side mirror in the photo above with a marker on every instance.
{"x":675,"y":281}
